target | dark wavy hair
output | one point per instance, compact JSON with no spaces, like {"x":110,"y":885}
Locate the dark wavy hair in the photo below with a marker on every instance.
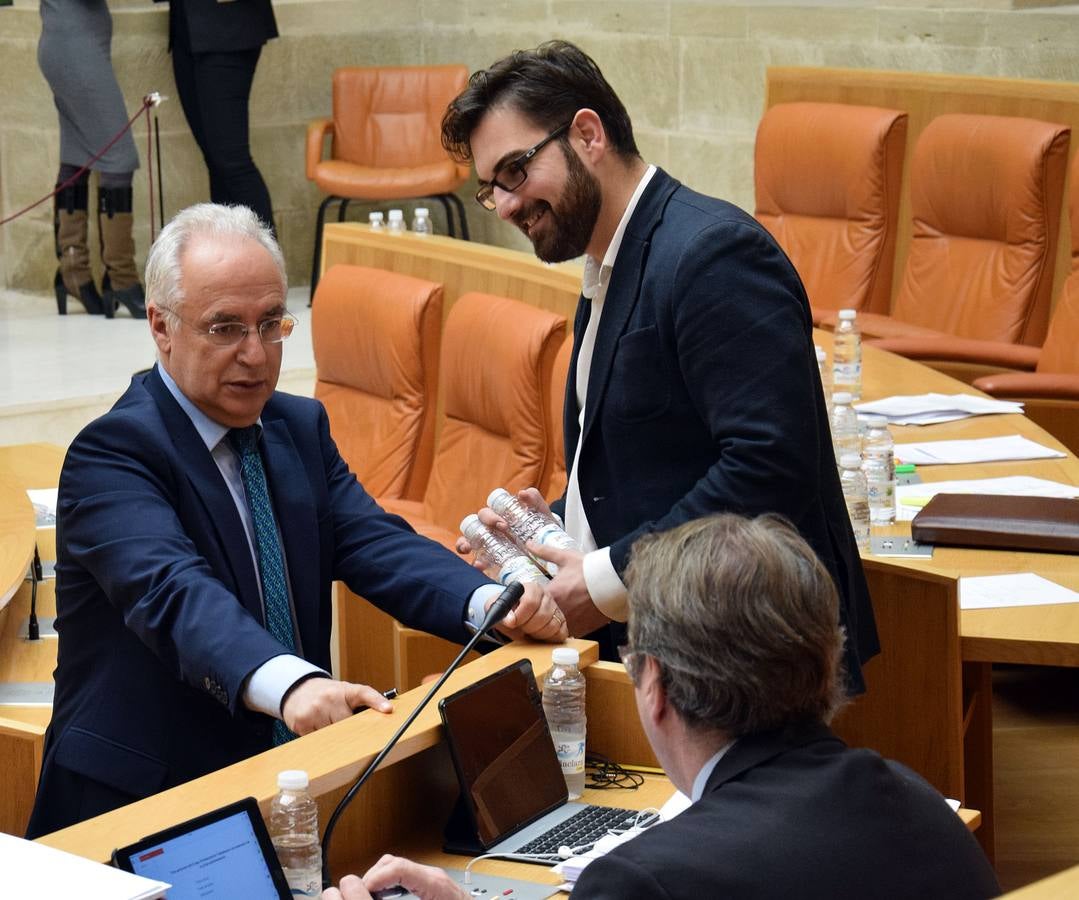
{"x":547,"y":85}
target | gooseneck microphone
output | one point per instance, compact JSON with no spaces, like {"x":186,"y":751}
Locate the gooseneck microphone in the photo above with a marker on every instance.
{"x":496,"y":612}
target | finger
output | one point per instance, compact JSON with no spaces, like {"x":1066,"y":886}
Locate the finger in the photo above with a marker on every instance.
{"x":463,"y":546}
{"x":556,"y":555}
{"x":533,"y":498}
{"x":492,"y":519}
{"x":352,"y":888}
{"x":357,"y":695}
{"x":332,"y":893}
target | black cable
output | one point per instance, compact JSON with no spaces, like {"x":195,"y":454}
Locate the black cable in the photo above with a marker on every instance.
{"x":604,"y":774}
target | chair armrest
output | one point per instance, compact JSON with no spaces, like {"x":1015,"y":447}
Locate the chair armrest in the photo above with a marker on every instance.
{"x":1044,"y":385}
{"x":316,"y":135}
{"x":875,"y":326}
{"x":999,"y":354}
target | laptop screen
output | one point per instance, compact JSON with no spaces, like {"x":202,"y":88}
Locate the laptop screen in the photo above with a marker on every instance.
{"x":502,"y":750}
{"x":224,"y":854}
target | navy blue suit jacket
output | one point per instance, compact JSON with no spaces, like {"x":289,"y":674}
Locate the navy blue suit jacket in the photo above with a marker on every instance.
{"x":798,"y":814}
{"x":159,"y":614}
{"x":704,"y":395}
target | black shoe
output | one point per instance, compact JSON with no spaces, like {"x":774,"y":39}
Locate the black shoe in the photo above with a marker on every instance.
{"x":131,"y":297}
{"x":87,"y":296}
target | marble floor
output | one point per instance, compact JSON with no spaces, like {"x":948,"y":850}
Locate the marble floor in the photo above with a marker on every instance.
{"x":57,"y":373}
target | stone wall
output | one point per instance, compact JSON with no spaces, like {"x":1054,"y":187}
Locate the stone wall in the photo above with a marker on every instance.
{"x":691,"y":73}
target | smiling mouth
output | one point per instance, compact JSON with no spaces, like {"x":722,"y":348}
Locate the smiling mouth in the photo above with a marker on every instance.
{"x":526,"y":225}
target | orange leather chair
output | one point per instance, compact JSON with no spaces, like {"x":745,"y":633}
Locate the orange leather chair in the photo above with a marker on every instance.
{"x":387,"y":144}
{"x":985,"y":199}
{"x":376,"y":341}
{"x":495,"y":382}
{"x":827,"y":177}
{"x":556,"y":483}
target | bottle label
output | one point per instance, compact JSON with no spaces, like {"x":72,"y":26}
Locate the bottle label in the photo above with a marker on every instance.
{"x":847,"y":372}
{"x":519,"y":568}
{"x":570,"y":752}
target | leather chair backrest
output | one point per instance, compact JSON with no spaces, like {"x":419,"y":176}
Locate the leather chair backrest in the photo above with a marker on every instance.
{"x":1060,"y":353}
{"x":985,"y":199}
{"x":495,"y":381}
{"x":376,"y":341}
{"x":556,"y":484}
{"x":390,"y":117}
{"x":827,"y":179}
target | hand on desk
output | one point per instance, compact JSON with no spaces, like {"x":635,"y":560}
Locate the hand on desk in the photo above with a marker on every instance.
{"x":426,"y":882}
{"x":318,"y":702}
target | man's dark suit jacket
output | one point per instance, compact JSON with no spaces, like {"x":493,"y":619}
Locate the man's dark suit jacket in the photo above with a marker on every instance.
{"x":798,"y":814}
{"x":704,"y":395}
{"x":159,"y":612}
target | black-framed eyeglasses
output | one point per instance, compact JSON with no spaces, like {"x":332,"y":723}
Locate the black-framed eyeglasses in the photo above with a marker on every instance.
{"x":512,"y":175}
{"x":273,"y":330}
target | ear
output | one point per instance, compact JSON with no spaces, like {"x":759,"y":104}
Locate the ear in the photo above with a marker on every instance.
{"x":159,"y":329}
{"x":653,"y":693}
{"x":587,"y":136}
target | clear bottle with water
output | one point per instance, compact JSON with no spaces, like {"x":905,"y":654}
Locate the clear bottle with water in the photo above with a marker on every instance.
{"x":855,"y":493}
{"x":396,"y":222}
{"x":496,"y":551}
{"x":845,"y":435}
{"x":374,"y":219}
{"x":421,"y":221}
{"x":825,"y":378}
{"x":294,"y":832}
{"x":528,"y":524}
{"x":847,"y":355}
{"x":564,"y":707}
{"x":878,"y":464}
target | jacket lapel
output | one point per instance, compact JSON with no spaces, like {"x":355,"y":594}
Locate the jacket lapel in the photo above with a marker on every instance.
{"x":297,"y":521}
{"x":624,"y":288}
{"x":208,"y":484}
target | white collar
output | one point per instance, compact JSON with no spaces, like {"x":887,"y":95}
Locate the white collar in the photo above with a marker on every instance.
{"x":596,"y":273}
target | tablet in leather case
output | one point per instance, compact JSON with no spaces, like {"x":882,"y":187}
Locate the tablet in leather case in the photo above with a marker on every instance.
{"x":998,"y":522}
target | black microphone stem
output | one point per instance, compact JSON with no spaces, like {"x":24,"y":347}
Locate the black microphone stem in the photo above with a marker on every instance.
{"x":498,"y":610}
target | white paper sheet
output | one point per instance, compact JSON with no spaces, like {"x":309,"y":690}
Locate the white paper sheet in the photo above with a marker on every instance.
{"x":912,"y":497}
{"x":993,"y":449}
{"x":1019,"y":589}
{"x":929,"y":409}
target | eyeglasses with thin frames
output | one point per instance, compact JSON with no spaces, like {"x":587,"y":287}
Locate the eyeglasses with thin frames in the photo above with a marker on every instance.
{"x":227,"y":334}
{"x":513,"y":174}
{"x":628,"y":656}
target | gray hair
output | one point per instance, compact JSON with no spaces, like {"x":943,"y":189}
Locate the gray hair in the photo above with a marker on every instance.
{"x":214,"y":220}
{"x":743,"y":620}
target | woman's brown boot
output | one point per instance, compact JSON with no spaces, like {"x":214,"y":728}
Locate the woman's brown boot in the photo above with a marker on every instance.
{"x":114,"y":224}
{"x":70,"y":222}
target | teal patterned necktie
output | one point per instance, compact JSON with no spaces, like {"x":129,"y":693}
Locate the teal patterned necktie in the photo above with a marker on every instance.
{"x":271,"y":565}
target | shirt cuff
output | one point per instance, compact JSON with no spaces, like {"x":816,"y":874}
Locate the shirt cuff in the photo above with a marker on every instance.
{"x":606,"y":589}
{"x":476,"y":611}
{"x":268,"y":684}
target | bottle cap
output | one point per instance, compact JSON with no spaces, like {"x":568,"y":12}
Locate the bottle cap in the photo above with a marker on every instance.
{"x":470,"y":521}
{"x":374,"y":217}
{"x":421,"y":211}
{"x":565,"y":656}
{"x":292,"y":780}
{"x":841,"y":398}
{"x":844,"y":314}
{"x":498,"y":495}
{"x":874,"y":421}
{"x":821,"y":355}
{"x":396,"y":215}
{"x":850,"y":461}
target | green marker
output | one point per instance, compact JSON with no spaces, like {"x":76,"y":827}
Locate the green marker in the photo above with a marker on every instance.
{"x":904,"y":468}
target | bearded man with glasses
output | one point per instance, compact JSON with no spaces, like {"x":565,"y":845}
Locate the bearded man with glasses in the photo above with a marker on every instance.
{"x":200,"y":525}
{"x":693,"y":386}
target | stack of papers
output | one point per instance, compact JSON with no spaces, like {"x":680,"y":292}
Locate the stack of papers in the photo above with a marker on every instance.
{"x":929,"y":409}
{"x":34,"y":870}
{"x":994,"y":449}
{"x":912,"y":497}
{"x":1021,"y":589}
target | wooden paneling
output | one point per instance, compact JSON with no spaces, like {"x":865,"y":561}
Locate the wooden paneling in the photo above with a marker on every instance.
{"x":20,"y":761}
{"x":614,"y":728}
{"x":925,"y":96}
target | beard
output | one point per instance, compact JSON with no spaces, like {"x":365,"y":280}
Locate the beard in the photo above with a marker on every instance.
{"x":572,"y":219}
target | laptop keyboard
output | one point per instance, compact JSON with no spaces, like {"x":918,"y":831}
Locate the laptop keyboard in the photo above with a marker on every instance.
{"x":581,"y":829}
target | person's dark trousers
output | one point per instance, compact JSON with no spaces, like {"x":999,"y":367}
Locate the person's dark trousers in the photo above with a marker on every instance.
{"x":214,"y":91}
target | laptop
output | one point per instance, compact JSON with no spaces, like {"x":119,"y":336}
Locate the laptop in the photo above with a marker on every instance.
{"x":513,"y":795}
{"x":225,"y":853}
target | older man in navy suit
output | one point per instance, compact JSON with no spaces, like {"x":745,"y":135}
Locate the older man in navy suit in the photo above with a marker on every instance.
{"x":200,"y":525}
{"x":693,"y":386}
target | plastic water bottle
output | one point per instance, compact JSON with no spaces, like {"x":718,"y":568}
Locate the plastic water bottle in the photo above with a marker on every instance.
{"x":847,"y":355}
{"x":498,"y":551}
{"x":825,"y":378}
{"x":878,"y":464}
{"x":845,"y":436}
{"x":396,"y":223}
{"x":528,"y":524}
{"x":856,"y":495}
{"x":563,"y":705}
{"x":294,"y":831}
{"x":421,"y":221}
{"x":374,"y":219}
